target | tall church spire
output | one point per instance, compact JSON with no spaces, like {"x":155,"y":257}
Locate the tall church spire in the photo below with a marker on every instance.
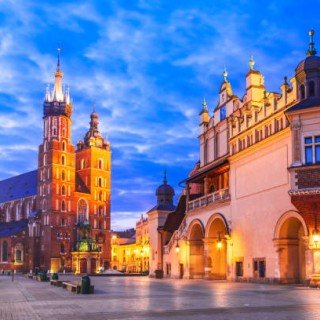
{"x":57,"y":89}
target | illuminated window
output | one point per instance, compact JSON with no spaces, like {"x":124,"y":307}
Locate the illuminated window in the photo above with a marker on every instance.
{"x":312,"y":149}
{"x":18,"y":256}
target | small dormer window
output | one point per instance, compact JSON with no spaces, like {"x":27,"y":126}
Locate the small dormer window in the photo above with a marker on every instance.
{"x":302,"y":92}
{"x":223,"y":113}
{"x":311,"y":89}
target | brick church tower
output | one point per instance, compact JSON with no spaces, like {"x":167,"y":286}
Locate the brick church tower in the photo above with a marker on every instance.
{"x":73,"y":186}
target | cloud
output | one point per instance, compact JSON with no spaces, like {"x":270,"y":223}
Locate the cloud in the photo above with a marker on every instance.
{"x":146,"y":67}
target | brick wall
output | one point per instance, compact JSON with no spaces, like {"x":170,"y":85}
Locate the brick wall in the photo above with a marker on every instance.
{"x":308,"y":178}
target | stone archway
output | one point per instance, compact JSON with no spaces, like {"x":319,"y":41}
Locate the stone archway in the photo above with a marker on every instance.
{"x":216,"y":247}
{"x":290,"y":235}
{"x":196,"y":250}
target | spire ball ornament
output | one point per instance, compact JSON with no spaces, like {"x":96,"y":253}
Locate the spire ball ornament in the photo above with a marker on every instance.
{"x":311,"y":50}
{"x":225,"y":74}
{"x":251,"y":63}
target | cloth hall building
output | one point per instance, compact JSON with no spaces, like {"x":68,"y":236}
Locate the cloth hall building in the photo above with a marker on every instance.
{"x":252,"y":202}
{"x":58,"y":216}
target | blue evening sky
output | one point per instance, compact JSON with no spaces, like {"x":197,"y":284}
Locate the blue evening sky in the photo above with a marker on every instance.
{"x":146,"y":65}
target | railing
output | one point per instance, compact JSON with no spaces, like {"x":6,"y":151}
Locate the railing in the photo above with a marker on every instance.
{"x":220,"y":195}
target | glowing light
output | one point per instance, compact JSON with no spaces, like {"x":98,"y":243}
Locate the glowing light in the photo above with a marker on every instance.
{"x":316,"y":236}
{"x":177,"y":248}
{"x":219,"y":244}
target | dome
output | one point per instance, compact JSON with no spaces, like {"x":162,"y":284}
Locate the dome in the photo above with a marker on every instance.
{"x":308,"y":64}
{"x":165,"y":192}
{"x":312,"y":61}
{"x":94,"y":115}
{"x":165,"y":189}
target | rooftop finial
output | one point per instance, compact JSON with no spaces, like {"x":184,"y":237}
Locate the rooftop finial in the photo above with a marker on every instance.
{"x":311,"y":50}
{"x":165,"y":176}
{"x":204,"y":104}
{"x":251,"y":63}
{"x":58,"y":64}
{"x":225,"y":74}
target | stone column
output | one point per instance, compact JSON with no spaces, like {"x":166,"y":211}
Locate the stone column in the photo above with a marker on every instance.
{"x":229,"y":255}
{"x":308,"y":257}
{"x":208,"y":245}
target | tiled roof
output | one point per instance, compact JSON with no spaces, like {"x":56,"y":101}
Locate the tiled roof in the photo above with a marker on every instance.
{"x":305,"y":104}
{"x":175,"y":218}
{"x":163,"y":207}
{"x":11,"y":228}
{"x":24,"y":185}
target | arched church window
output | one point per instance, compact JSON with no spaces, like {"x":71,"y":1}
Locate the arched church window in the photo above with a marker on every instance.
{"x":8,"y":218}
{"x":63,"y":146}
{"x":62,"y":248}
{"x":54,"y":131}
{"x":82,"y":210}
{"x":100,"y":182}
{"x":63,"y":160}
{"x":63,"y":190}
{"x":100,"y":164}
{"x":82,"y":164}
{"x":44,"y":205}
{"x":45,"y":160}
{"x":63,"y":175}
{"x":311,"y":89}
{"x":302,"y":91}
{"x":4,"y":251}
{"x":18,"y":256}
{"x":17,"y":212}
{"x":100,"y":196}
{"x":63,"y":205}
{"x":100,"y":211}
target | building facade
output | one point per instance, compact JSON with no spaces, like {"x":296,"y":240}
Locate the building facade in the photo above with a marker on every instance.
{"x":253,"y":200}
{"x":58,"y":216}
{"x":130,"y":249}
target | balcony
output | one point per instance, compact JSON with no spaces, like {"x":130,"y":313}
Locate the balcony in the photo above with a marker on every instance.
{"x":214,"y":197}
{"x":305,"y":180}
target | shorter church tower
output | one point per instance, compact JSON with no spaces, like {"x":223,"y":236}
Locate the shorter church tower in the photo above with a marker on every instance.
{"x":156,"y":218}
{"x":93,"y":176}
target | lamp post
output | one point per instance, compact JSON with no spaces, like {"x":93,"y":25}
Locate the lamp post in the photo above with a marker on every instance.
{"x":315,"y":234}
{"x":177,"y":248}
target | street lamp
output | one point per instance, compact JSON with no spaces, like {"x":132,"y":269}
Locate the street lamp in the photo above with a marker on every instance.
{"x":315,"y":234}
{"x":177,"y":248}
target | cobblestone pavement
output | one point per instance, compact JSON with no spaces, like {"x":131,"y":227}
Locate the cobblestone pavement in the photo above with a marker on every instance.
{"x":144,"y":298}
